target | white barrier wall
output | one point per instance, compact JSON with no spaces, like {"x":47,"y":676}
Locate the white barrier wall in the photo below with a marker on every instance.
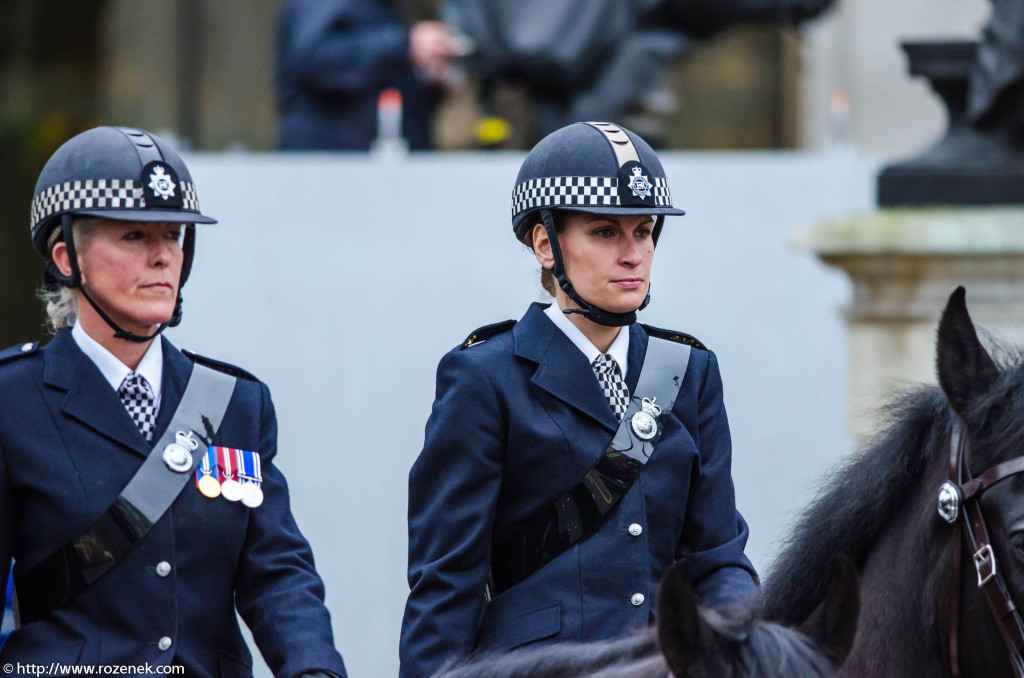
{"x":341,"y":280}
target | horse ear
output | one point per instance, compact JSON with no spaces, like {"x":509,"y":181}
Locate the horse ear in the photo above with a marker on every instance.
{"x":833,"y":624}
{"x":964,"y":366}
{"x":683,"y":633}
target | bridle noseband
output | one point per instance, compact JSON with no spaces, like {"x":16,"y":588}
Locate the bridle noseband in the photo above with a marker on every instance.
{"x":960,"y":500}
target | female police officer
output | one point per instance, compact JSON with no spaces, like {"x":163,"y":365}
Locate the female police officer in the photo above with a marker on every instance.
{"x":138,"y":492}
{"x":571,"y":457}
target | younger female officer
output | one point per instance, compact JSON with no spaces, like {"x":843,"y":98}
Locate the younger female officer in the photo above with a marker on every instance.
{"x":138,"y":492}
{"x":520,"y":490}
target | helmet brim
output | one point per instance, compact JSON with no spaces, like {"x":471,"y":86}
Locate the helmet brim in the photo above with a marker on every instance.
{"x":626,"y":211}
{"x":170,"y":216}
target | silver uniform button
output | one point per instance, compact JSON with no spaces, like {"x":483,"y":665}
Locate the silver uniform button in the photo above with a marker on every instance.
{"x":163,"y":568}
{"x":164,"y":643}
{"x":635,"y":529}
{"x":637,"y":599}
{"x":25,"y":348}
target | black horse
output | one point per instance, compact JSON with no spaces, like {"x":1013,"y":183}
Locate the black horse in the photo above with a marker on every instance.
{"x":920,"y":585}
{"x":691,"y":643}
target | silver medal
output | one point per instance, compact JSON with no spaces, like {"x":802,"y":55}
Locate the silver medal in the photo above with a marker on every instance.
{"x":645,"y":422}
{"x":231,"y":489}
{"x":252,"y":495}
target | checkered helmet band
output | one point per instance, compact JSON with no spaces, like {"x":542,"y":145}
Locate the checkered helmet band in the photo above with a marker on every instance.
{"x":91,"y":194}
{"x":553,"y":192}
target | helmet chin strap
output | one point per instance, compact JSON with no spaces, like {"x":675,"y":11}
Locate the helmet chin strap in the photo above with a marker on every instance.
{"x":586,"y":309}
{"x":75,"y":281}
{"x":120,"y":333}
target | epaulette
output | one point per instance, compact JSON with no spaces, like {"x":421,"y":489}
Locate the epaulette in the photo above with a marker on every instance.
{"x":226,"y":368}
{"x":672,"y":335}
{"x":486,"y":332}
{"x":19,"y":351}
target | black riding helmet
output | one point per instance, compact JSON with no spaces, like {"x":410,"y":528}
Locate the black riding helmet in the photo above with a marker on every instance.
{"x":117,"y":173}
{"x":595,"y":167}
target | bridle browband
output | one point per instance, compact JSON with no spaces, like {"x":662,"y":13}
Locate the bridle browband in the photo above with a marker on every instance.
{"x":960,"y":501}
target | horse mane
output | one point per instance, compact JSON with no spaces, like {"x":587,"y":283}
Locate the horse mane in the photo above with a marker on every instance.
{"x":855,"y":504}
{"x":858,"y":499}
{"x":748,"y":647}
{"x":563,"y":660}
{"x":754,"y":647}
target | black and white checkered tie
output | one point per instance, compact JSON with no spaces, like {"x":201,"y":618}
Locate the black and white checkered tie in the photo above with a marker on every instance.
{"x":138,"y":399}
{"x":610,"y":378}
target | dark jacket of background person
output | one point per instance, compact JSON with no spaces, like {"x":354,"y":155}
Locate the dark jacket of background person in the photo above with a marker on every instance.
{"x":519,"y":419}
{"x":580,"y":59}
{"x":597,"y":59}
{"x":67,"y":449}
{"x":334,"y":58}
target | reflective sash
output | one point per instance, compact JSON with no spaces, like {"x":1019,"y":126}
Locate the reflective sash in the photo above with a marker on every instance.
{"x":74,"y":567}
{"x":577,"y":514}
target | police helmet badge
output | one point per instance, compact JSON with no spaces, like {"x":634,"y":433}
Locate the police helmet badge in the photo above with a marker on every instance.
{"x":635,"y":187}
{"x":160,"y":185}
{"x":639,"y":183}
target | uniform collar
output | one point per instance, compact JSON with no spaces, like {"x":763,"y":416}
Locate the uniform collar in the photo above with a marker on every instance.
{"x":618,"y":350}
{"x":113,"y":370}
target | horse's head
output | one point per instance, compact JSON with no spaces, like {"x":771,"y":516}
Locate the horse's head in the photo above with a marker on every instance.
{"x":733,"y":642}
{"x":989,"y":402}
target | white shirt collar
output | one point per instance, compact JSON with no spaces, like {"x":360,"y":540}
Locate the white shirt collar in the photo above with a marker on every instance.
{"x":618,"y":350}
{"x":114,"y":371}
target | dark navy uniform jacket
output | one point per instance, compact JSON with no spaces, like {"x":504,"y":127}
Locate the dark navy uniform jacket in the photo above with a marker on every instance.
{"x":333,"y":59}
{"x":519,"y":419}
{"x":67,"y":449}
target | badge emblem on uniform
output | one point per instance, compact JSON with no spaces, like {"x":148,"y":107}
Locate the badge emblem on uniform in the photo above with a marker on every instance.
{"x":161,"y":182}
{"x":639,"y":184}
{"x":645,"y":422}
{"x":178,"y":455}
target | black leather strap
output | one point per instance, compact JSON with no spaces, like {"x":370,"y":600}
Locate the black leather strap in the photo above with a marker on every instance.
{"x":75,"y":566}
{"x":577,"y":514}
{"x":976,"y":537}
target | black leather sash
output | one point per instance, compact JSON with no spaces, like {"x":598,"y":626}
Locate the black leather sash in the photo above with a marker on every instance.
{"x":539,"y":538}
{"x":74,"y":567}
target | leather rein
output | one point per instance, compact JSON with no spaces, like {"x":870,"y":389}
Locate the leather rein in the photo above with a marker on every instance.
{"x":960,"y":501}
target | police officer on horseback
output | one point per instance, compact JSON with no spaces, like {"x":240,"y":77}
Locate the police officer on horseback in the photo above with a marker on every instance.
{"x":139,"y":495}
{"x":571,"y":457}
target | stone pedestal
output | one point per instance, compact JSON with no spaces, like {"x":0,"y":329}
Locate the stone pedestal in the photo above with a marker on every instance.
{"x":903,"y":264}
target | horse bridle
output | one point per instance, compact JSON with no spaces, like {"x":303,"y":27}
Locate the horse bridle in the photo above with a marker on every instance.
{"x":960,"y":497}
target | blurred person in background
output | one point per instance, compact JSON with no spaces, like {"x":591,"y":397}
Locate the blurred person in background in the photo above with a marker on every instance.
{"x":594,"y":59}
{"x":139,"y":495}
{"x":540,"y":510}
{"x":335,"y":57}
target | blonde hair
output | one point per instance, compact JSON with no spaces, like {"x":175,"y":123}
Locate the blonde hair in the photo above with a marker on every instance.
{"x":61,"y":302}
{"x":61,"y":308}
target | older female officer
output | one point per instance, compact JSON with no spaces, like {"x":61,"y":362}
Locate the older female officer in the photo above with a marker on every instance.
{"x":571,"y":457}
{"x":138,"y":492}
